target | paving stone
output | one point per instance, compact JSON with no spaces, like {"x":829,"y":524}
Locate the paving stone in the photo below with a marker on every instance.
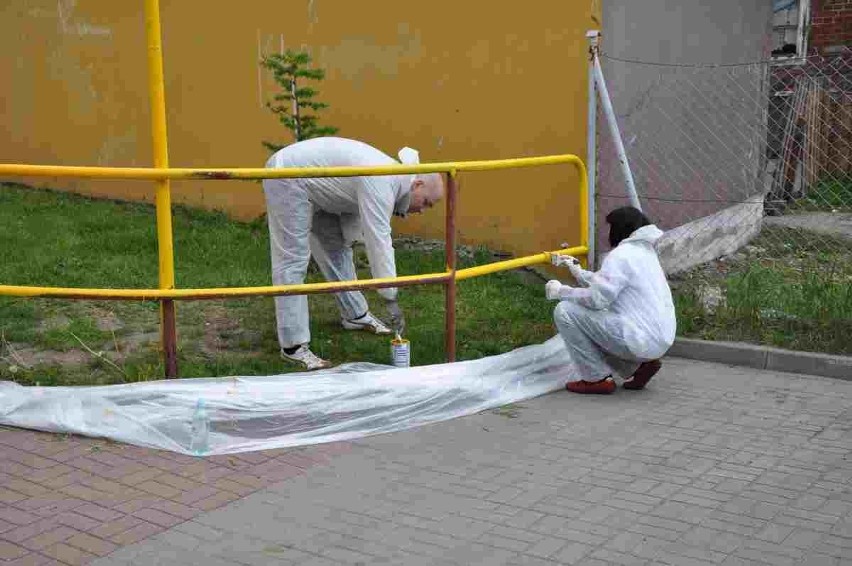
{"x":711,"y":470}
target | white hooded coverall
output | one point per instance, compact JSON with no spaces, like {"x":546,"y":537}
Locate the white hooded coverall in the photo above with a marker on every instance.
{"x":623,"y":314}
{"x":322,"y":217}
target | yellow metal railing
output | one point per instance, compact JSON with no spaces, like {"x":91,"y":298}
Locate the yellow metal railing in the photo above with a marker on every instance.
{"x":167,"y":294}
{"x":162,"y":175}
{"x":165,"y":236}
{"x":183,"y":174}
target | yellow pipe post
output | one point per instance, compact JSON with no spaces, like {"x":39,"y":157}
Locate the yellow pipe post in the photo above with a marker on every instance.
{"x":584,"y":210}
{"x":450,"y":288}
{"x":156,"y":90}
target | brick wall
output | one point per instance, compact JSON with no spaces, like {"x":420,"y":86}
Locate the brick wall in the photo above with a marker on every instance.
{"x":831,"y":25}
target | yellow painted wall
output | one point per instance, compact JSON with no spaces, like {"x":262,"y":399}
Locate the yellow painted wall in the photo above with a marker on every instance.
{"x":455,"y":80}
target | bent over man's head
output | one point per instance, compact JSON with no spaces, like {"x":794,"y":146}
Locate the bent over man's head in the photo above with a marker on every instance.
{"x":426,"y":190}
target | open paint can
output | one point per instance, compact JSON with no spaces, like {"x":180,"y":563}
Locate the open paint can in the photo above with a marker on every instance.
{"x":400,"y":352}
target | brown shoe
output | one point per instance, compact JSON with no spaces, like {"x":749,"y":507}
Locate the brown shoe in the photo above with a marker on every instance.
{"x":643,"y":375}
{"x":602,"y":387}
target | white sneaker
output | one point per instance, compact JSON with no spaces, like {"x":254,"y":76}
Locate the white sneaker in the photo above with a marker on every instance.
{"x":369,"y":323}
{"x":307,"y":359}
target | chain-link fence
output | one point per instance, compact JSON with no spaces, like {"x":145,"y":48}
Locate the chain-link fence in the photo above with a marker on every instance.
{"x":749,"y":169}
{"x":726,"y":152}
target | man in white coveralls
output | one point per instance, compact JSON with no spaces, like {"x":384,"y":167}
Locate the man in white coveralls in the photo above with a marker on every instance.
{"x":323,"y":217}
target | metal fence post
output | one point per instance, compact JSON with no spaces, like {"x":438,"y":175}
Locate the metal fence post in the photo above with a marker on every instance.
{"x":591,"y":145}
{"x":163,"y":201}
{"x":609,"y":112}
{"x":450,"y":292}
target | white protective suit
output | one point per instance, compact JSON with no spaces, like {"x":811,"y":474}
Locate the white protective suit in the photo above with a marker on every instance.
{"x":623,"y":314}
{"x":322,"y":217}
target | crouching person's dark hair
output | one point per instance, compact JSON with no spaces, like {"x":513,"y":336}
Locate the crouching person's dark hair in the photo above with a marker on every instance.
{"x":623,"y":222}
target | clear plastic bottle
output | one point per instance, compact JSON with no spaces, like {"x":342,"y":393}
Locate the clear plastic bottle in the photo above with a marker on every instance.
{"x":200,"y":440}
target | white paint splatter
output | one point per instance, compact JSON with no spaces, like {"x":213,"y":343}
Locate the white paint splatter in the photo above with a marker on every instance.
{"x":313,"y":17}
{"x":84,"y":28}
{"x":65,"y":10}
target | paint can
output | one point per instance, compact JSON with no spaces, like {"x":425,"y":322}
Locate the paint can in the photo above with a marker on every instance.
{"x":400,"y":352}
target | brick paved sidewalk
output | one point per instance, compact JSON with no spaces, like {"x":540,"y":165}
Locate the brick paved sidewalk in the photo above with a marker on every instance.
{"x":66,"y":499}
{"x":710,"y":465}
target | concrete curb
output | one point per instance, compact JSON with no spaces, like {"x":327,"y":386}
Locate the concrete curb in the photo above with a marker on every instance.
{"x":763,"y":357}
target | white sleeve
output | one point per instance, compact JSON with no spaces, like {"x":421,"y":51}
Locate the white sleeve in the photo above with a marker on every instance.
{"x":375,"y":203}
{"x":583,"y":277}
{"x":603,"y":288}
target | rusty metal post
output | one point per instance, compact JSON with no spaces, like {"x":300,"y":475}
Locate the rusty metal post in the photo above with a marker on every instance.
{"x":169,"y":337}
{"x":156,"y":90}
{"x":450,"y":291}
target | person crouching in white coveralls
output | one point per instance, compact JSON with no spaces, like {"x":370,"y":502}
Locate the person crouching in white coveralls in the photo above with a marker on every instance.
{"x":622,"y":318}
{"x":323,"y":217}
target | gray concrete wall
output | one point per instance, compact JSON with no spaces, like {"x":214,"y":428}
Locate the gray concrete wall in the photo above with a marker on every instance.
{"x":710,"y":237}
{"x":694,"y":135}
{"x":687,"y":31}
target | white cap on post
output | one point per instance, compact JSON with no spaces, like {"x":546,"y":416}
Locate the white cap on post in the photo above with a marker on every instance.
{"x":593,"y":35}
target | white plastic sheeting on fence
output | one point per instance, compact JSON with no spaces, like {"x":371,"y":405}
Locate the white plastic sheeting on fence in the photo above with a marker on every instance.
{"x":258,"y":413}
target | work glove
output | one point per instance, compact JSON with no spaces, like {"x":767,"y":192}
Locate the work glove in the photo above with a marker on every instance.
{"x":551,"y":290}
{"x":560,"y":260}
{"x":572,"y":263}
{"x":397,"y":320}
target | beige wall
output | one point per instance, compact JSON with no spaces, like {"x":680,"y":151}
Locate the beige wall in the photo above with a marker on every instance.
{"x":456,"y":80}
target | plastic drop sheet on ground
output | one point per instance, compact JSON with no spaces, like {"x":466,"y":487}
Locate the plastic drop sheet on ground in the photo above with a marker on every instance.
{"x":258,"y":413}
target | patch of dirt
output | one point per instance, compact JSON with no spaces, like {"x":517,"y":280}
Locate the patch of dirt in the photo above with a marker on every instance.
{"x":219,"y":330}
{"x":53,"y":322}
{"x":27,"y":356}
{"x":106,"y":321}
{"x":132,"y":343}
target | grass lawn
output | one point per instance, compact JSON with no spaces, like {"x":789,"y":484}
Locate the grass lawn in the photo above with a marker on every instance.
{"x":832,"y":193}
{"x":57,"y":239}
{"x":790,"y":288}
{"x":784,"y":290}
